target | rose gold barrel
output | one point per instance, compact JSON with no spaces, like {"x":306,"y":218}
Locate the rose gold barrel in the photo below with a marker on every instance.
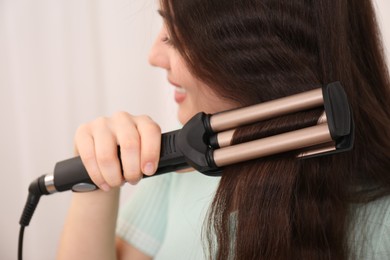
{"x":323,"y":119}
{"x":225,"y":138}
{"x":232,"y":119}
{"x":318,"y":149}
{"x":289,"y":141}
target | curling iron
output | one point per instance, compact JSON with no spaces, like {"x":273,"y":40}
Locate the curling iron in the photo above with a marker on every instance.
{"x":204,"y":142}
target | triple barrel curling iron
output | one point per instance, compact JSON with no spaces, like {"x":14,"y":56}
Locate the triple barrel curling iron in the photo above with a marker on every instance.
{"x":204,"y":142}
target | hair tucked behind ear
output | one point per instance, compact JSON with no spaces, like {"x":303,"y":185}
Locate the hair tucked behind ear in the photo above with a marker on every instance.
{"x":257,"y":50}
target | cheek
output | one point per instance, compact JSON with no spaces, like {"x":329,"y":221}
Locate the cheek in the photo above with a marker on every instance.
{"x":211,"y":103}
{"x":179,"y":68}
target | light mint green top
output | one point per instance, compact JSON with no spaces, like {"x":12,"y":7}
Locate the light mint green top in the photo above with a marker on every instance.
{"x":369,"y":236}
{"x":165,"y":215}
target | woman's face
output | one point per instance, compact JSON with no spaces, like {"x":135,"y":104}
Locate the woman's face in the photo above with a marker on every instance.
{"x":191,"y":95}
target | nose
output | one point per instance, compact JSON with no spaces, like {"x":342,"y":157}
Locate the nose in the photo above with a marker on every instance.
{"x":159,"y":53}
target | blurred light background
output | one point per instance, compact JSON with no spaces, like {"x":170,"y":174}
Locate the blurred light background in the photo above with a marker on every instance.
{"x":63,"y":63}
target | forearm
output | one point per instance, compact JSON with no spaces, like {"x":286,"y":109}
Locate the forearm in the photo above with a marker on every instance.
{"x":89,"y":230}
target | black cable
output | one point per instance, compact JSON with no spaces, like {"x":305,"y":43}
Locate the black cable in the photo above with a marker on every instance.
{"x":28,"y":211}
{"x":35,"y":191}
{"x":20,"y":243}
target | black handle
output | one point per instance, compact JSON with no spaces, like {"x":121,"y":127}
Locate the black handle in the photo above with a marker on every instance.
{"x":71,"y":174}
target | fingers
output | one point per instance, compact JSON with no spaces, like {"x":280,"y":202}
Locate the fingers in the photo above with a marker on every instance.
{"x":139,"y":139}
{"x":84,"y":146}
{"x":150,"y":134}
{"x":129,"y":143}
{"x":106,"y":152}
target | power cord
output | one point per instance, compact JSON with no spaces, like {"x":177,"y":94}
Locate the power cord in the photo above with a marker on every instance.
{"x":20,"y":244}
{"x":35,"y":190}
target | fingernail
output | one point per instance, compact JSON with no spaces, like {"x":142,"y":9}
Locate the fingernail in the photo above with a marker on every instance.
{"x":105,"y":187}
{"x":135,"y":182}
{"x":149,"y":168}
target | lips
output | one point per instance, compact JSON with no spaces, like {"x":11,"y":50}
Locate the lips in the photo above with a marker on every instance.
{"x":180,"y":93}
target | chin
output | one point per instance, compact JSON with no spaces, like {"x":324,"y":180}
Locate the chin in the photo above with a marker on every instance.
{"x":184,"y":116}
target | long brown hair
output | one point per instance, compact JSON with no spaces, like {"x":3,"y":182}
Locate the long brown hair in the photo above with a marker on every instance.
{"x":252,"y":51}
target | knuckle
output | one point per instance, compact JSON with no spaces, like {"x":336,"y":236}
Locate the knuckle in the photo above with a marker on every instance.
{"x":81,"y":130}
{"x":148,"y":123}
{"x":121,"y":115}
{"x":145,"y":118}
{"x":130,"y":144}
{"x":88,"y":158}
{"x":131,"y":172}
{"x":155,"y":127}
{"x":106,"y":158}
{"x":115,"y":181}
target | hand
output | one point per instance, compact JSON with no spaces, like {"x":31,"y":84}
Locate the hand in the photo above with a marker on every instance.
{"x":139,"y":139}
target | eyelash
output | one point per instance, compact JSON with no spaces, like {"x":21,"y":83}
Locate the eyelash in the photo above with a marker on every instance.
{"x":168,"y":41}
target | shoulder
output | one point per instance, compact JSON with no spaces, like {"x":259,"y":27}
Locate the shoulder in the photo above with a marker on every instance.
{"x":369,"y":229}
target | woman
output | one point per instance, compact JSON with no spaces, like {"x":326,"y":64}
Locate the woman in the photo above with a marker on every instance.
{"x":226,"y":54}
